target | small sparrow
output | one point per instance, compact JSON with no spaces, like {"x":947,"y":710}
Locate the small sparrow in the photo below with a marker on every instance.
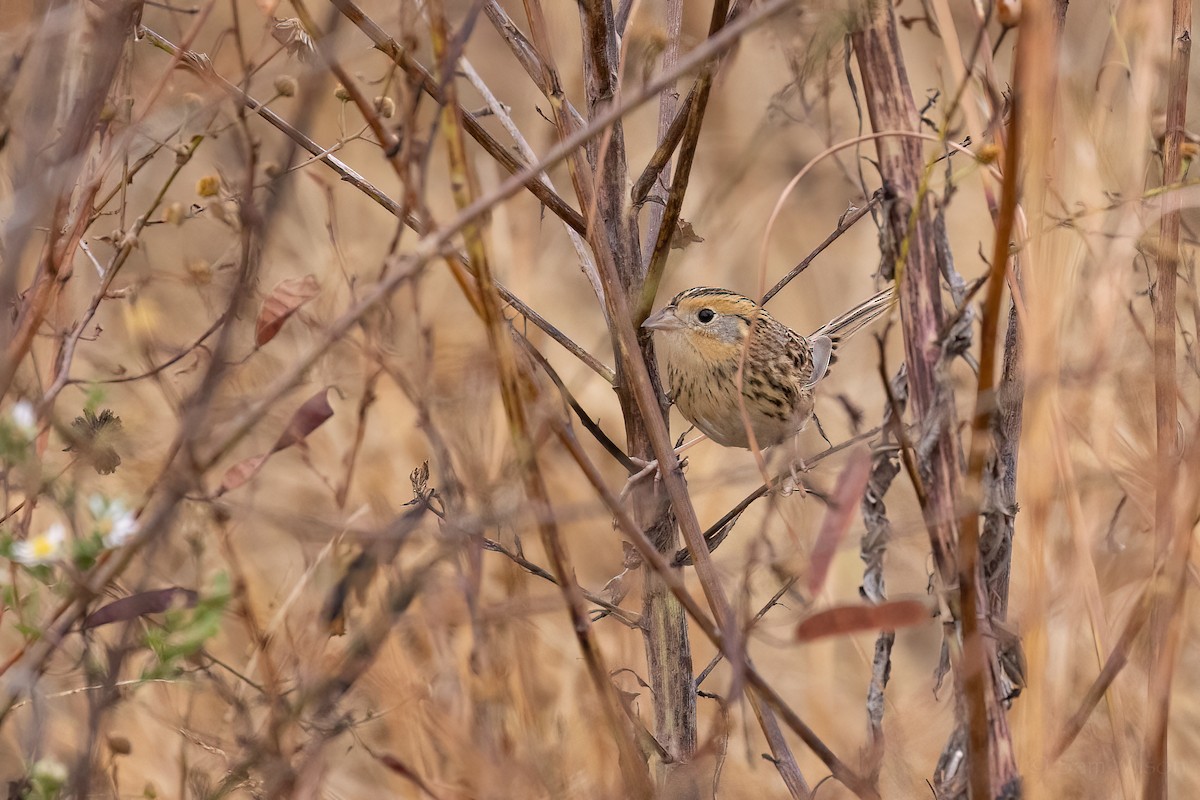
{"x":705,"y":335}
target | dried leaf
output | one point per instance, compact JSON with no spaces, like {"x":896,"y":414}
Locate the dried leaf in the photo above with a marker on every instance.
{"x":285,"y":299}
{"x":310,"y":416}
{"x":420,"y":480}
{"x":291,"y":34}
{"x":684,"y":235}
{"x":141,"y":604}
{"x":241,"y":472}
{"x":840,"y":514}
{"x":92,"y":435}
{"x":843,"y":620}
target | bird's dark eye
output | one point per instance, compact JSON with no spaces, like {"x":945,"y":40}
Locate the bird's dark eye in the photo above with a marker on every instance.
{"x":706,"y":315}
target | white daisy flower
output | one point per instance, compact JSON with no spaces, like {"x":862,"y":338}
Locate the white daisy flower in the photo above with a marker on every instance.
{"x":115,"y":523}
{"x":50,"y":773}
{"x":42,"y":548}
{"x":24,"y":417}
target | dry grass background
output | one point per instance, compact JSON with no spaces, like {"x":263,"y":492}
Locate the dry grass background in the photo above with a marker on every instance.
{"x":479,"y":688}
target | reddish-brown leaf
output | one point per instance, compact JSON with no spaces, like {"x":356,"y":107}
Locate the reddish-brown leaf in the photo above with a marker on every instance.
{"x":310,"y":416}
{"x":284,"y":300}
{"x":141,"y":604}
{"x":241,"y":472}
{"x":843,"y":620}
{"x":838,"y":516}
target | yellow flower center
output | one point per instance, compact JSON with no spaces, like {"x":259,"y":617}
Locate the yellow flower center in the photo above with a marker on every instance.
{"x":42,"y":547}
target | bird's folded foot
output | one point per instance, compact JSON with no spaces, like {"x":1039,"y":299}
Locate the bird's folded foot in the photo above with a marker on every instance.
{"x":793,"y":484}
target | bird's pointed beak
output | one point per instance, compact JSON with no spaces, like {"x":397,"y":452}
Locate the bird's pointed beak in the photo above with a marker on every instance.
{"x":663,"y":320}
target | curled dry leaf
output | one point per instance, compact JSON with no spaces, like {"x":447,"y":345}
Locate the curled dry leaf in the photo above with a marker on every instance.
{"x":310,"y":416}
{"x":284,"y":300}
{"x":857,"y":618}
{"x":141,"y":604}
{"x":684,"y":235}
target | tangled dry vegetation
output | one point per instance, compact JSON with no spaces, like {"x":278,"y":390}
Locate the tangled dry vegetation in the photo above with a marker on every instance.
{"x":323,"y":385}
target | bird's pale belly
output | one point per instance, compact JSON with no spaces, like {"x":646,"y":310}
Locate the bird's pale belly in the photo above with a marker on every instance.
{"x":714,"y":408}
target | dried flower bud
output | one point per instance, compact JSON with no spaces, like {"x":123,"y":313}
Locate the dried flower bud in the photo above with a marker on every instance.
{"x":174,"y":214}
{"x":272,"y":169}
{"x":341,"y":94}
{"x":291,"y":34}
{"x":225,"y":212}
{"x":1008,"y":12}
{"x":286,"y":86}
{"x":92,"y":435}
{"x":208,"y":186}
{"x":385,"y":107}
{"x":119,"y":745}
{"x":200,"y":271}
{"x":988,"y":153}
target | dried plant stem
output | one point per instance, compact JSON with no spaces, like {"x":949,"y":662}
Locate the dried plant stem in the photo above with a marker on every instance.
{"x":403,"y":59}
{"x":875,"y":540}
{"x":669,"y":664}
{"x":665,"y":231}
{"x":1172,"y":540}
{"x":708,"y":627}
{"x":1112,"y":667}
{"x":84,"y":100}
{"x":511,"y":392}
{"x":586,"y":263}
{"x":916,"y":240}
{"x":668,"y":102}
{"x":844,"y":224}
{"x":200,"y":66}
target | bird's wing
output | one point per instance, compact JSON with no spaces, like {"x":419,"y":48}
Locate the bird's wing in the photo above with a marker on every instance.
{"x":857,"y":318}
{"x":822,"y":350}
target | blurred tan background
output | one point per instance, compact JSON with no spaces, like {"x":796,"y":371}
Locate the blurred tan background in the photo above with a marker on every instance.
{"x":503,"y":708}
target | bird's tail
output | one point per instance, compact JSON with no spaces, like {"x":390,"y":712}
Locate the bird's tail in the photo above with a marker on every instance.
{"x":857,"y":318}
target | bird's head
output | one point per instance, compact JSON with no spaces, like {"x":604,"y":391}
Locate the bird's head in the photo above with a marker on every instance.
{"x":711,"y":320}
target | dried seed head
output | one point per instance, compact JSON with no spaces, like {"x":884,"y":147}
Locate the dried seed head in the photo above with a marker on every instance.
{"x":174,"y":214}
{"x":200,"y":271}
{"x":286,"y":86}
{"x":1008,"y":12}
{"x":119,"y":746}
{"x":988,"y":153}
{"x":92,"y":434}
{"x":341,"y":94}
{"x":208,"y":186}
{"x":385,"y":107}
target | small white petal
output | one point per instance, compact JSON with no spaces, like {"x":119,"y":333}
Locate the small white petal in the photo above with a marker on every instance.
{"x":24,"y":417}
{"x":124,"y":528}
{"x":98,"y":505}
{"x":41,"y":549}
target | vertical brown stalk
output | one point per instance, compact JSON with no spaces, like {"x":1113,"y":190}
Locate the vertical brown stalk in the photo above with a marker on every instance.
{"x":1171,"y":542}
{"x":912,"y":235}
{"x":1163,"y":295}
{"x":613,"y":235}
{"x":53,"y":173}
{"x":915,"y":242}
{"x":511,"y":392}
